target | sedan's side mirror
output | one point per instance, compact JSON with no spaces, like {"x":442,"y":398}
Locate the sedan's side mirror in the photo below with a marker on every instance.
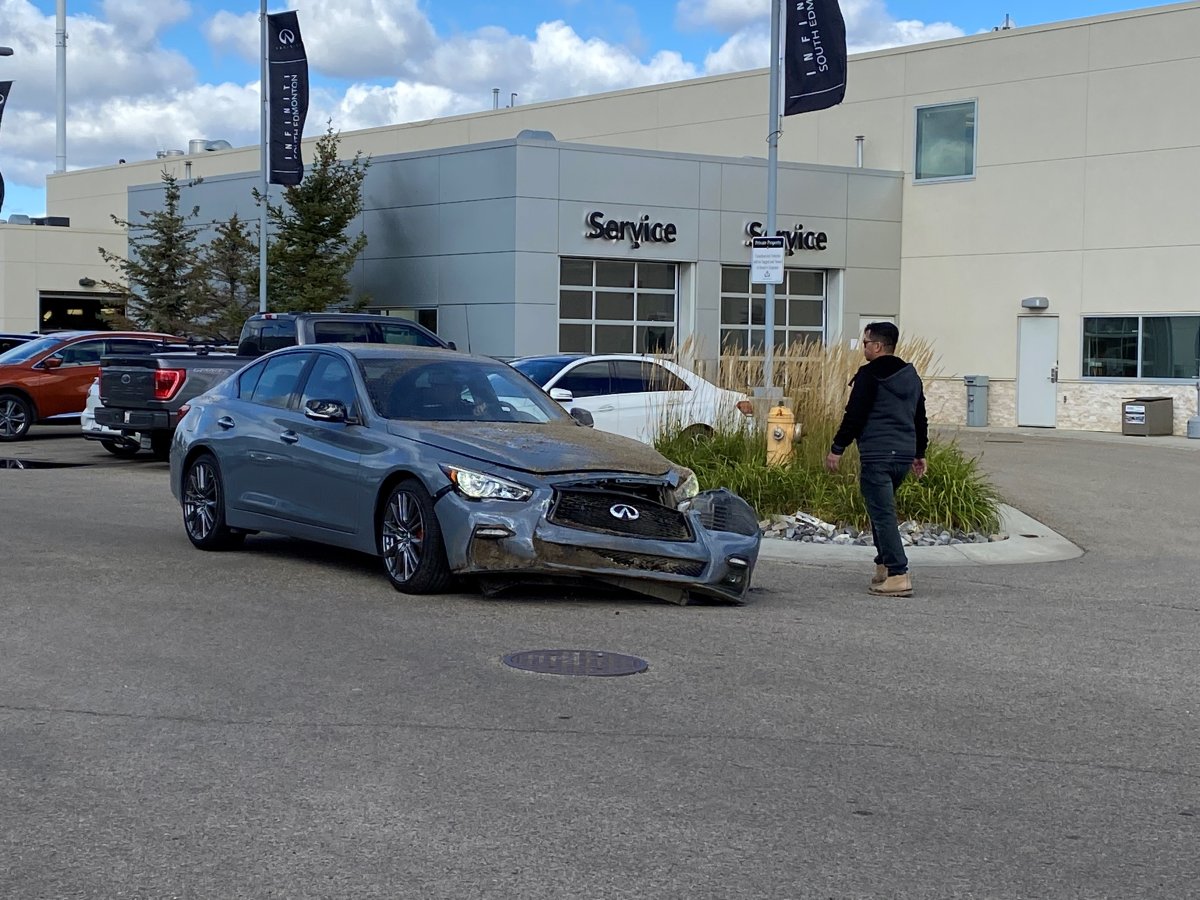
{"x":562,"y":395}
{"x":53,"y":362}
{"x":326,"y":410}
{"x":451,"y":345}
{"x":582,"y":416}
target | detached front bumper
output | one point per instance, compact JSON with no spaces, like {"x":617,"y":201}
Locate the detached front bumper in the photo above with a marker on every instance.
{"x":520,"y":542}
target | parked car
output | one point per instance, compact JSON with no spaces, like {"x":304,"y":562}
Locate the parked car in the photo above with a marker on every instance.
{"x":637,"y":396}
{"x":48,"y":378}
{"x":448,"y":464}
{"x":115,"y":442}
{"x":143,"y":395}
{"x":9,"y":339}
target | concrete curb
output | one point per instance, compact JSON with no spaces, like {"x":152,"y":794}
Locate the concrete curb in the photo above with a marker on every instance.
{"x":1029,"y":541}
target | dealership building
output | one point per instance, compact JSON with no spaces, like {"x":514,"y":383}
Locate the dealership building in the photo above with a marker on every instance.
{"x":1024,"y":200}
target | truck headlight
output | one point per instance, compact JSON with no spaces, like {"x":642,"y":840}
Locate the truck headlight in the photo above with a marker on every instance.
{"x":479,"y":486}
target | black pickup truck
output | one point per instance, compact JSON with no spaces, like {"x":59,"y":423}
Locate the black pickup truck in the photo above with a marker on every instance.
{"x":144,"y":394}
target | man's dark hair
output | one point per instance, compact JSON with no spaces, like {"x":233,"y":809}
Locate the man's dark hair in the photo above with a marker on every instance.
{"x":885,"y":332}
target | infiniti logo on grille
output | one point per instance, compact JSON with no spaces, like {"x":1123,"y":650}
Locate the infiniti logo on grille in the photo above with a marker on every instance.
{"x":623,"y":511}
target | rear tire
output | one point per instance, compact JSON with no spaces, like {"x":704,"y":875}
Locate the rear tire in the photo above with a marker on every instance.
{"x":16,"y":417}
{"x":121,"y":449}
{"x":410,"y":540}
{"x":204,"y":506}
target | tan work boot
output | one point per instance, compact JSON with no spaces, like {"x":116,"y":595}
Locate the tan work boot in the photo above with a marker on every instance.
{"x":880,"y":574}
{"x":893,"y":586}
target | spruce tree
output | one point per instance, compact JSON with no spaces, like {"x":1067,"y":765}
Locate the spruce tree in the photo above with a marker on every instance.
{"x":230,"y":276}
{"x":310,"y":252}
{"x":161,"y":270}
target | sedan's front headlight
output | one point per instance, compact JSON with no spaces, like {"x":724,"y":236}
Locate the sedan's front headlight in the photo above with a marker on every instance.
{"x":479,"y":486}
{"x":689,"y":487}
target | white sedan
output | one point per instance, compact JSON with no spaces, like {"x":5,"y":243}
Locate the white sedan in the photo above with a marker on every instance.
{"x":637,"y":396}
{"x":113,"y":441}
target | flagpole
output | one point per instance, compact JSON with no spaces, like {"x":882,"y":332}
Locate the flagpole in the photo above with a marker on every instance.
{"x":266,"y":185}
{"x":772,"y":181}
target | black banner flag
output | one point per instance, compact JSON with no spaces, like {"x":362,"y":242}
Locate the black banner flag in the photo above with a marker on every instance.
{"x":814,"y":56}
{"x":5,"y":87}
{"x":287,"y":95}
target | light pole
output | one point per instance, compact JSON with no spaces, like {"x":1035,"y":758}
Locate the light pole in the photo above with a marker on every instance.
{"x":4,"y":51}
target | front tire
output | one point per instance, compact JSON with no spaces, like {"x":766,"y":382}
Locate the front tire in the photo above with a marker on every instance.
{"x":204,"y":506}
{"x":160,"y":444}
{"x":16,"y":417}
{"x":121,"y":449}
{"x":410,"y":540}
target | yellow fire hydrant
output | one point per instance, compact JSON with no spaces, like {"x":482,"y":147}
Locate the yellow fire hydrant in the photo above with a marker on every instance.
{"x":782,"y":431}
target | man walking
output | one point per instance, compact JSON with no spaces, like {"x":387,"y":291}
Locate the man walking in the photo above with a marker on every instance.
{"x":886,"y":415}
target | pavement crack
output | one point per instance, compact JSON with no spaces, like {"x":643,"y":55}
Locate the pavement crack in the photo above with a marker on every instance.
{"x":605,"y":733}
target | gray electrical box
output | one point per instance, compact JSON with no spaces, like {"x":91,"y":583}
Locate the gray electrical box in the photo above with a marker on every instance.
{"x":977,"y":400}
{"x":1148,"y":416}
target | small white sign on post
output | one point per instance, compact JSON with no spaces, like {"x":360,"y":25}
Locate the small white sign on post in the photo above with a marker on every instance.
{"x":766,"y":260}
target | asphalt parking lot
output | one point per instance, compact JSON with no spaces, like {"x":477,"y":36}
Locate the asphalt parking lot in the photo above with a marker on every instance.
{"x":277,"y":722}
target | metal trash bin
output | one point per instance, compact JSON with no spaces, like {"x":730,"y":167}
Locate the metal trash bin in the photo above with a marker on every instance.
{"x":977,"y":400}
{"x":1148,"y":415}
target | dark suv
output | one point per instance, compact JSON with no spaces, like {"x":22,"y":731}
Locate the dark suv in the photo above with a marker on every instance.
{"x":273,"y":331}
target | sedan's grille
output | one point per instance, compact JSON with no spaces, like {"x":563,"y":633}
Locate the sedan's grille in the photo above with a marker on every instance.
{"x":621,"y":514}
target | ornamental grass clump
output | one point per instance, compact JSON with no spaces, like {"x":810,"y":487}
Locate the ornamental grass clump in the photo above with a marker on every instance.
{"x":954,"y":493}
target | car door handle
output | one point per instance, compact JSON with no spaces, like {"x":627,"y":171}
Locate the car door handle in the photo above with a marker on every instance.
{"x":225,"y":422}
{"x":608,"y":408}
{"x":289,"y":437}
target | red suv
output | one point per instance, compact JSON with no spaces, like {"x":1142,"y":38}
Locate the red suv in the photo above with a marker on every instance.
{"x":49,"y":377}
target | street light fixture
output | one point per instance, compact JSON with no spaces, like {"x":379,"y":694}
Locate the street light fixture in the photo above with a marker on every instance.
{"x":5,"y":51}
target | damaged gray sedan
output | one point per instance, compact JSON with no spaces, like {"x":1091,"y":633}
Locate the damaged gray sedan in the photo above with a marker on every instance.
{"x":446,"y":464}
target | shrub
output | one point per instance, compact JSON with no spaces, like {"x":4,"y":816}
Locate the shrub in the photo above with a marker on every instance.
{"x":953,"y":494}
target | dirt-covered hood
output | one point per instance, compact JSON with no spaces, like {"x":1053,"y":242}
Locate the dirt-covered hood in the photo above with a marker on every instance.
{"x":540,"y":449}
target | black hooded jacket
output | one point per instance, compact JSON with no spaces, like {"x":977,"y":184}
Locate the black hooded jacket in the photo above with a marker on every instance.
{"x":885,"y":413}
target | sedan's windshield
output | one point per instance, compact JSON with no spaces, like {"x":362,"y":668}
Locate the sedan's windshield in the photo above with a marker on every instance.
{"x":455,"y":390}
{"x":24,"y":352}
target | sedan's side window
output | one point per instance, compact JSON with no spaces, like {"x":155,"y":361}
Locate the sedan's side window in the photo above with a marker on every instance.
{"x":660,"y":378}
{"x":330,"y":379}
{"x":248,"y":381}
{"x":132,"y":346}
{"x":280,"y":379}
{"x":628,"y":377}
{"x":84,"y":353}
{"x":590,"y":379}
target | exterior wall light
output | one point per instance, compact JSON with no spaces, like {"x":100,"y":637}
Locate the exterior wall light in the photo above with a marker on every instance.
{"x":1035,"y":303}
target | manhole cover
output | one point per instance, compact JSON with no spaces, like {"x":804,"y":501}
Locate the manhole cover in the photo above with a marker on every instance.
{"x":38,"y":464}
{"x":576,"y":662}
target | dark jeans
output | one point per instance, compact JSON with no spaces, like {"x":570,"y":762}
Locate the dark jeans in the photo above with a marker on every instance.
{"x":879,"y":481}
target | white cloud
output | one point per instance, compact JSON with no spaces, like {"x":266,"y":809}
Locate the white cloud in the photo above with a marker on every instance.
{"x":722,"y":15}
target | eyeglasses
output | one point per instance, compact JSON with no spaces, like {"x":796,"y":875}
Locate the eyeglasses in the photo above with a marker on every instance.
{"x":874,"y":342}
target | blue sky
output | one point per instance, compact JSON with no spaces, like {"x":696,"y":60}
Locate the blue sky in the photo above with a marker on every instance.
{"x":146,"y":75}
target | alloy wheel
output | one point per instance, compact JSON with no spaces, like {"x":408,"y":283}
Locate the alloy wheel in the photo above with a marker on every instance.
{"x":403,"y":536}
{"x":200,"y":500}
{"x":14,"y":417}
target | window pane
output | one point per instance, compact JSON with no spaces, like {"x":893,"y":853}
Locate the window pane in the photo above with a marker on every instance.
{"x":574,"y":338}
{"x":806,"y":312}
{"x":575,"y":271}
{"x":758,"y":310}
{"x":946,"y":141}
{"x":735,"y":311}
{"x":1110,"y":347}
{"x":758,"y":341}
{"x":613,"y":273}
{"x":614,"y":306}
{"x":427,"y":318}
{"x":655,"y":339}
{"x":804,"y":281}
{"x":575,"y":304}
{"x":248,"y":380}
{"x":614,"y":338}
{"x":656,"y":275}
{"x":84,"y":353}
{"x":733,"y":340}
{"x":735,"y":280}
{"x":656,"y":308}
{"x":1170,"y":346}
